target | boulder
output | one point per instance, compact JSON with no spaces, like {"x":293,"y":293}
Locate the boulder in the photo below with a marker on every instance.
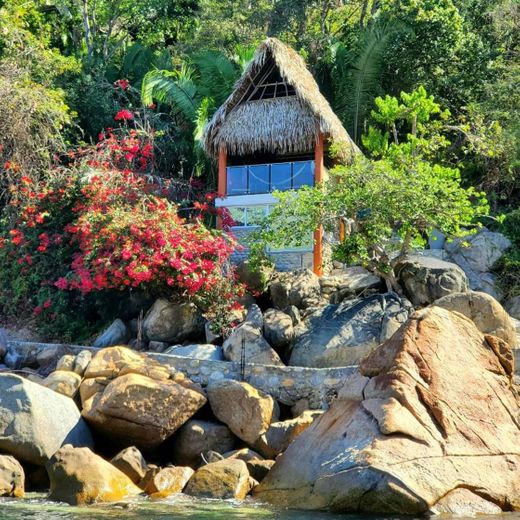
{"x":116,"y":361}
{"x":299,"y":288}
{"x":202,"y":351}
{"x":131,"y":462}
{"x":426,"y":279}
{"x":340,"y":335}
{"x":66,"y":383}
{"x":12,"y":477}
{"x":278,"y":328}
{"x":225,"y":479}
{"x":197,"y":437}
{"x":476,"y":254}
{"x":173,"y":322}
{"x":66,"y":363}
{"x":254,"y":316}
{"x":436,"y":413}
{"x":78,"y":477}
{"x":157,"y":346}
{"x":281,"y":434}
{"x":82,"y":361}
{"x":256,"y":279}
{"x":294,"y":313}
{"x":35,"y":421}
{"x":349,"y":282}
{"x":485,"y":312}
{"x":465,"y":503}
{"x":115,"y":334}
{"x":135,"y":410}
{"x":257,"y":349}
{"x":512,"y":306}
{"x":167,"y":481}
{"x":247,"y":411}
{"x":259,"y":468}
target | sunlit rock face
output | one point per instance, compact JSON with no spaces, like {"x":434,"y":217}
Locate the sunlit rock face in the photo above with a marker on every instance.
{"x":432,"y":410}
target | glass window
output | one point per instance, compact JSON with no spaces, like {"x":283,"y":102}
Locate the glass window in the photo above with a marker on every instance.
{"x":305,"y":244}
{"x":255,"y":215}
{"x":237,"y":180}
{"x":303,"y":174}
{"x":259,"y":178}
{"x":238,"y":215}
{"x":281,"y":176}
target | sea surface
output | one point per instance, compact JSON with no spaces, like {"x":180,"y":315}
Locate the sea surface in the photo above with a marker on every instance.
{"x":34,"y":506}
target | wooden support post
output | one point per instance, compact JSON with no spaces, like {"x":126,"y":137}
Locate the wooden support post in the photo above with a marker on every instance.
{"x":318,"y":234}
{"x":222,"y":179}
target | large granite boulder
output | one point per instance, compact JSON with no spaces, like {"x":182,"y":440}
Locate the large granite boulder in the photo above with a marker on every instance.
{"x":225,"y":479}
{"x":299,"y":288}
{"x":278,"y":328}
{"x":348,"y":282}
{"x":432,"y":411}
{"x":197,"y":437}
{"x":12,"y":477}
{"x":36,"y":421}
{"x":485,"y":312}
{"x":513,"y":307}
{"x":173,"y":322}
{"x":476,"y":254}
{"x":247,"y":411}
{"x":169,"y":480}
{"x":426,"y":279}
{"x":115,"y":334}
{"x":78,"y":476}
{"x":257,"y":349}
{"x":136,"y":410}
{"x":340,"y":335}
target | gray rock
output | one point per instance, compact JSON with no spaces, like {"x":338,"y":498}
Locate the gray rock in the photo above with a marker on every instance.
{"x":173,"y":322}
{"x":12,"y":477}
{"x":348,"y":282}
{"x":254,"y":316}
{"x":198,"y":437}
{"x":257,"y":349}
{"x":157,"y":346}
{"x":426,"y":279}
{"x":294,"y":313}
{"x":480,"y":251}
{"x":115,"y":334}
{"x":278,"y":328}
{"x":295,"y":288}
{"x":255,"y":280}
{"x":35,"y":421}
{"x":197,"y":351}
{"x":512,"y":306}
{"x":340,"y":335}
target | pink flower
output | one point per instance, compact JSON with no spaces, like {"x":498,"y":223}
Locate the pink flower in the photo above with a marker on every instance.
{"x":123,"y":84}
{"x":61,"y":284}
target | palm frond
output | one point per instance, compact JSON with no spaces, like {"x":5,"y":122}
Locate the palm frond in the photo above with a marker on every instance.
{"x":176,"y":89}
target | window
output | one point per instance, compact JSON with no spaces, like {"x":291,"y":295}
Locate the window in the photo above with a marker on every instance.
{"x":265,"y":178}
{"x":237,"y":180}
{"x":259,"y":179}
{"x":249,"y":216}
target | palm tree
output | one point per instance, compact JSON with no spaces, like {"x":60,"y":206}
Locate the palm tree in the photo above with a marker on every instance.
{"x":357,"y":75}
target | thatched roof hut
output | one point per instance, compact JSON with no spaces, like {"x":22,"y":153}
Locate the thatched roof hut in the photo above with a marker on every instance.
{"x":275,"y":108}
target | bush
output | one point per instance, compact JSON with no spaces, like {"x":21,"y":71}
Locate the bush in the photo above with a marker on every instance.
{"x":93,"y":232}
{"x":508,"y":267}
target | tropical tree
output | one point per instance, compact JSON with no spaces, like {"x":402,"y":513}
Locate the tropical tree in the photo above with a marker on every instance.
{"x":390,"y":202}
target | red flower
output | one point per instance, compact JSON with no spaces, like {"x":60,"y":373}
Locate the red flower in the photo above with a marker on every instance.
{"x":61,"y":283}
{"x":124,"y":115}
{"x":47,"y":304}
{"x":123,"y":84}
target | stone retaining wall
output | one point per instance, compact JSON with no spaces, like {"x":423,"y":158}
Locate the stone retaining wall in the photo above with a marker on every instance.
{"x":286,"y":384}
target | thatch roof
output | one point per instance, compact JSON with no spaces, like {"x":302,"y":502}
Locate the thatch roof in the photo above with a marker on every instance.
{"x":278,"y":125}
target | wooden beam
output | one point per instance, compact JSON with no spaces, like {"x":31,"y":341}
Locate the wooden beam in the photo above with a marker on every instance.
{"x":222,"y":179}
{"x":318,"y":233}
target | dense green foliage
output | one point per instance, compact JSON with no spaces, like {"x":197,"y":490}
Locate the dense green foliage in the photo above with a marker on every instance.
{"x":67,"y":67}
{"x":389,"y":201}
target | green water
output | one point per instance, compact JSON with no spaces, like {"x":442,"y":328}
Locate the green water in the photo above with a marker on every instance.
{"x":178,"y":507}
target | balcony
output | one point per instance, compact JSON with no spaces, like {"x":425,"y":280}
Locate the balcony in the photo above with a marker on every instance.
{"x":266,"y":178}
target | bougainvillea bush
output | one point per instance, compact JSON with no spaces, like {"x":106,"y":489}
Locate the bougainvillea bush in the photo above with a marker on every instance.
{"x":91,"y":233}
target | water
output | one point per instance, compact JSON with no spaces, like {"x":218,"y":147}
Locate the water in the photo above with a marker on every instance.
{"x":180,"y":507}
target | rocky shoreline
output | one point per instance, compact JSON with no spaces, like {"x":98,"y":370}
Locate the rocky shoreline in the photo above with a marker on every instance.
{"x":425,"y":420}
